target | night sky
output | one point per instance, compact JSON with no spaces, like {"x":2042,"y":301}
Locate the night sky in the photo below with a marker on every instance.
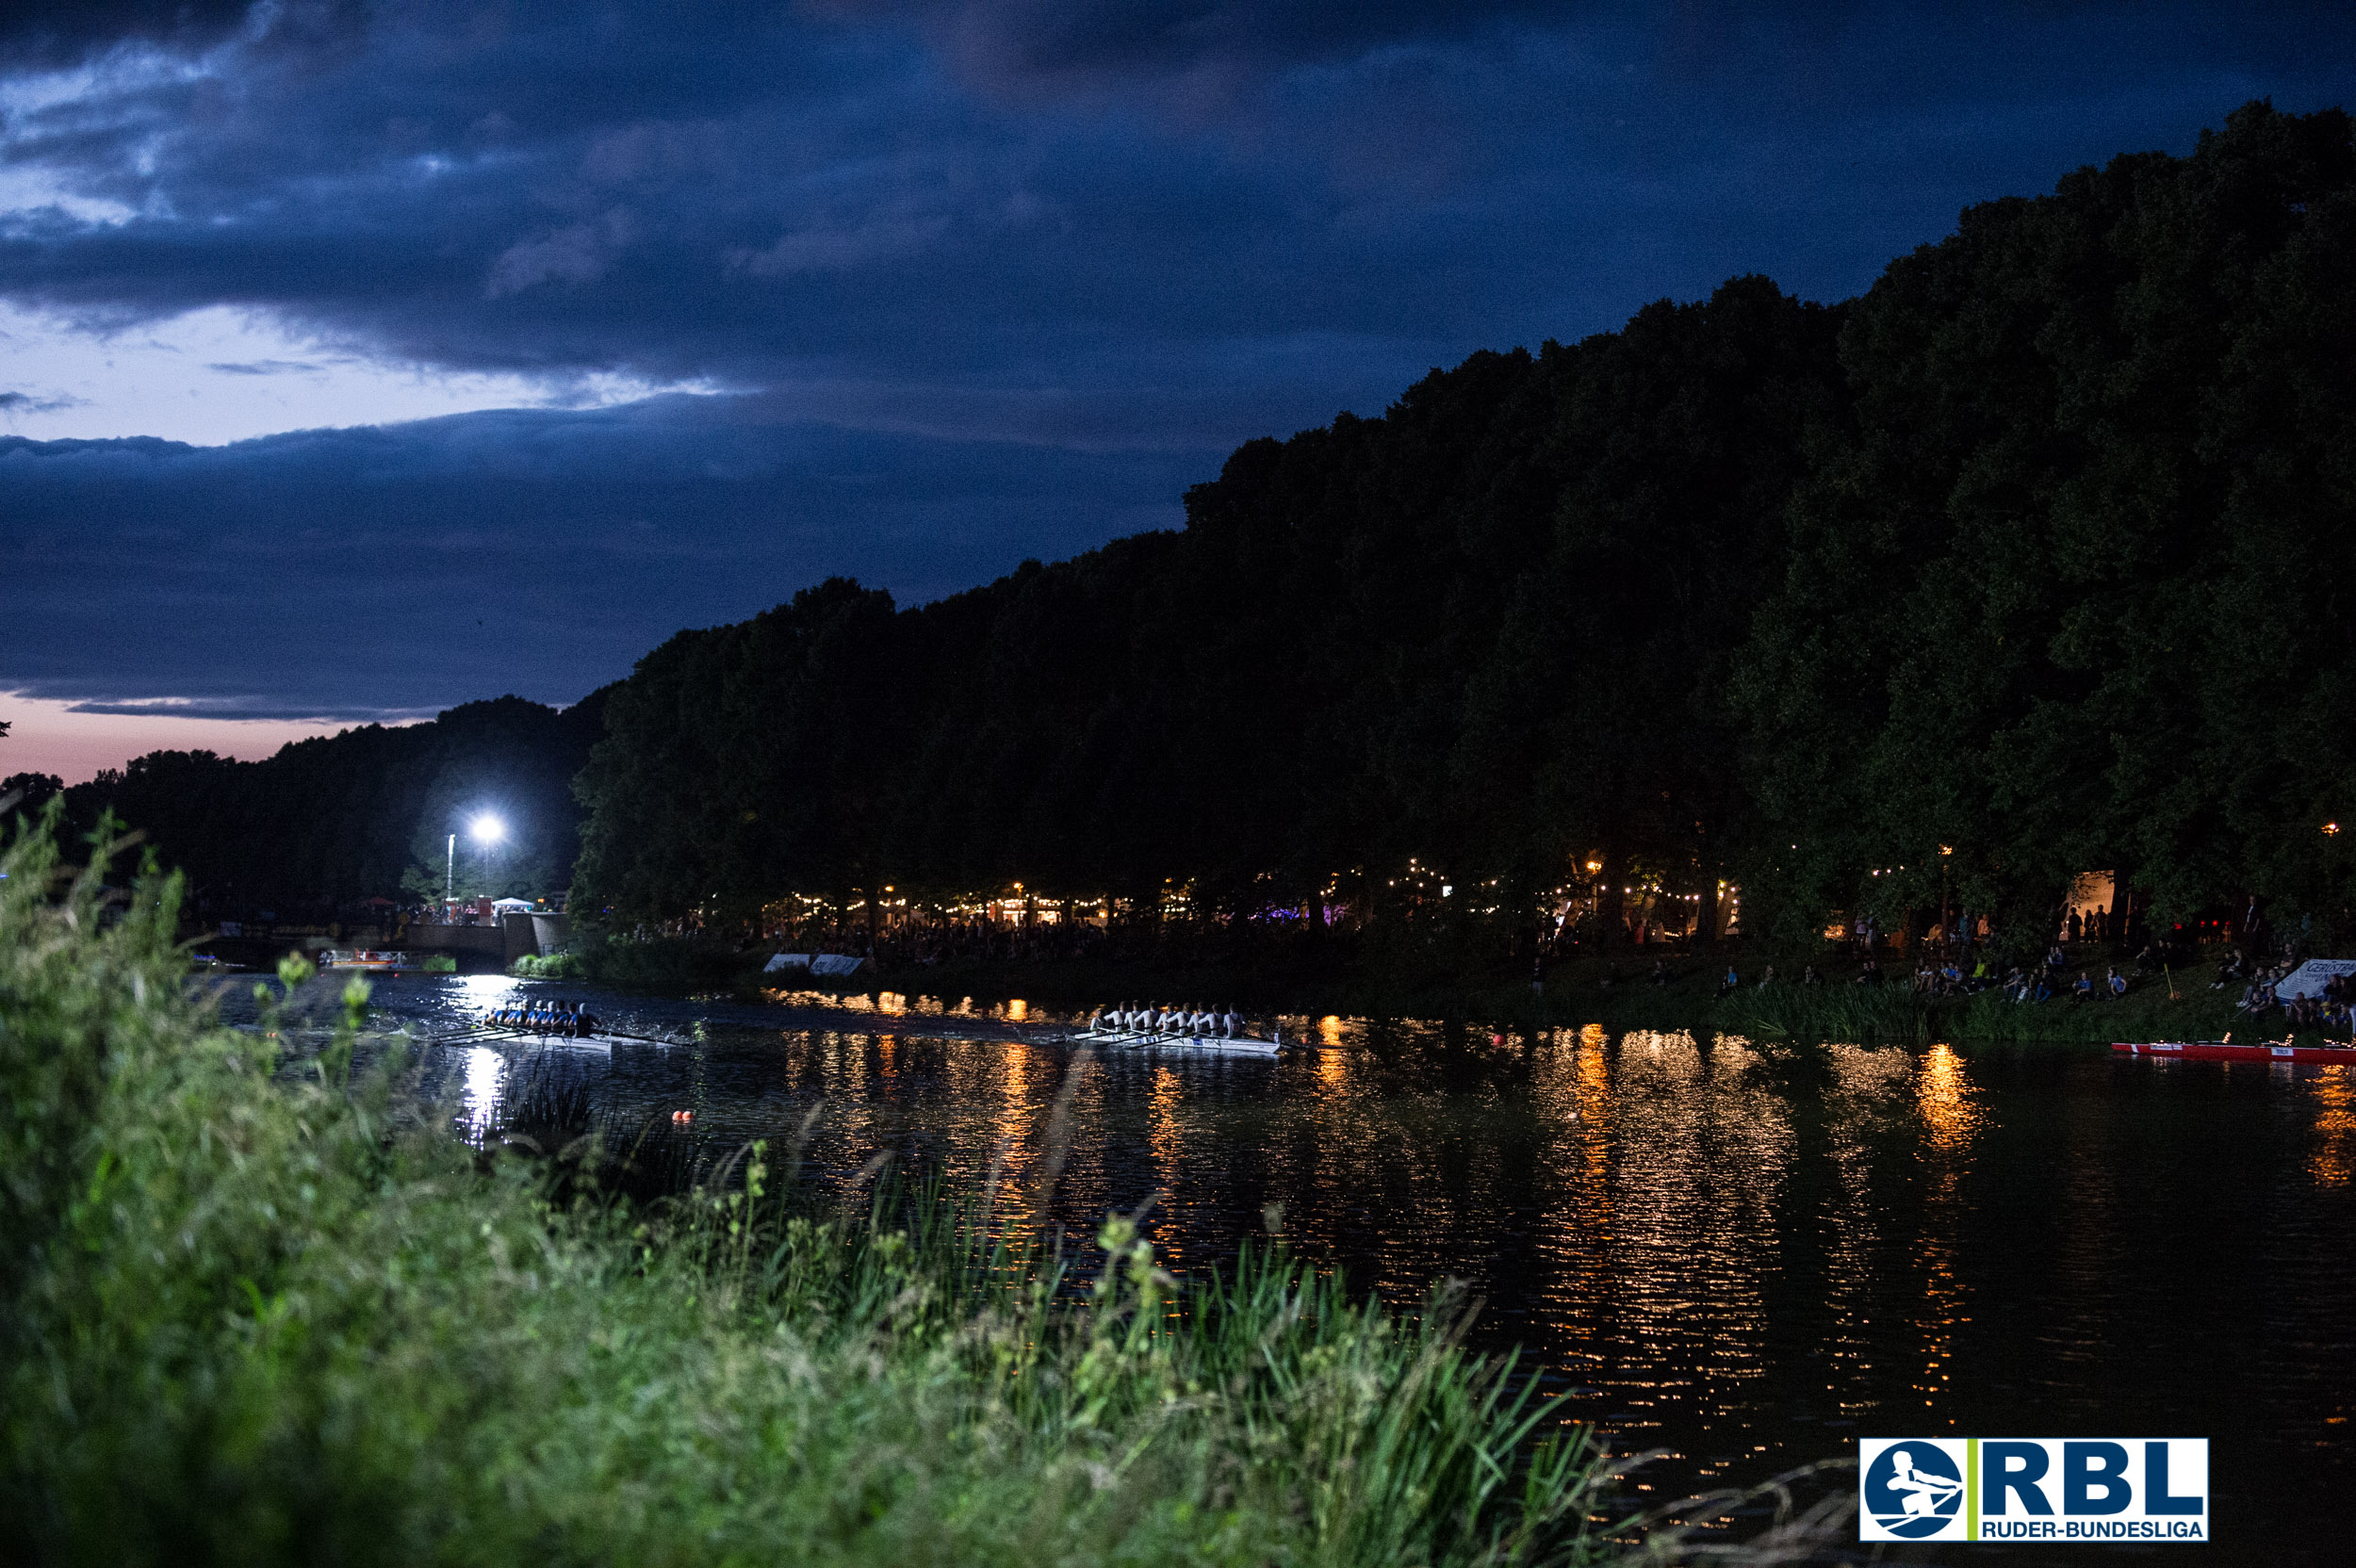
{"x":360,"y":359}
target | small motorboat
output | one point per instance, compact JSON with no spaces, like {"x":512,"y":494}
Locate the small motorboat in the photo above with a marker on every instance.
{"x":370,"y":960}
{"x":2223,"y":1050}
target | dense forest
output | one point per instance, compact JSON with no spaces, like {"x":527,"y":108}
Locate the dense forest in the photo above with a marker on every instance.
{"x":2019,"y":565}
{"x":325,"y":826}
{"x":2027,"y":562}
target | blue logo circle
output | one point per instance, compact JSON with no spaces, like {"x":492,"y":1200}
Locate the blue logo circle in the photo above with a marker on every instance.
{"x":1913,"y":1489}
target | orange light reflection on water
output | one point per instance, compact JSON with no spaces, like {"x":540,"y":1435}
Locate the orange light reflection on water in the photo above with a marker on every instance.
{"x":2333,"y":1162}
{"x":1951,"y":1122}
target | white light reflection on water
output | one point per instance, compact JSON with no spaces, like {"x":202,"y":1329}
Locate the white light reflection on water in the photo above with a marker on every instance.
{"x":477,"y":994}
{"x":1697,"y":1152}
{"x":1862,"y":1107}
{"x":479,"y":1103}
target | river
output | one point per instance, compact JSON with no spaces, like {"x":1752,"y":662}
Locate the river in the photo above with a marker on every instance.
{"x":1745,"y":1259}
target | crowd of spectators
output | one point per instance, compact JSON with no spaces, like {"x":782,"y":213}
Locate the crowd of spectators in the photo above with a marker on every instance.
{"x":1953,"y":973}
{"x":2328,"y":1014}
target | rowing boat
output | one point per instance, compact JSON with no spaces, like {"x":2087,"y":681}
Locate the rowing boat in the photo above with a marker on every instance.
{"x":1131,"y":1039}
{"x":2217,"y":1051}
{"x":497,"y":1033}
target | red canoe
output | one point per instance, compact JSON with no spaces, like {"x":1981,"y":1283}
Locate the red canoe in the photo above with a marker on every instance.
{"x":2214,"y":1051}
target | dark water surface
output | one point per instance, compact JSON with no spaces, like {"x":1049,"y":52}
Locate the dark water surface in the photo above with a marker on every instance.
{"x":1747,"y":1259}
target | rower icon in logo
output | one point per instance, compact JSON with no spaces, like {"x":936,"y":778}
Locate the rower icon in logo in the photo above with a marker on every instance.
{"x":1913,"y":1489}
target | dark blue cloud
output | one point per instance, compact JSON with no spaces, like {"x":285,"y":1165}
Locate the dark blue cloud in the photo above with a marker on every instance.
{"x":1007,"y":273}
{"x":375,"y":573}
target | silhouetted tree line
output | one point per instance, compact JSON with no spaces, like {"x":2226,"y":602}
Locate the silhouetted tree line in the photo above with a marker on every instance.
{"x":326,"y":824}
{"x":2028,"y":562}
{"x":2033,"y":553}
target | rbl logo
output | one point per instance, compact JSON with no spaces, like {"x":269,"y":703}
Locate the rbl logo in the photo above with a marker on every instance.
{"x":2149,"y":1489}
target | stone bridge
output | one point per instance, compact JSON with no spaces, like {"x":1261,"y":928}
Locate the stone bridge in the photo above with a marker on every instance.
{"x":513,"y":937}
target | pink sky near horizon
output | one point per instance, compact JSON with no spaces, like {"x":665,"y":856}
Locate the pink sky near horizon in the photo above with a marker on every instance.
{"x":49,"y":736}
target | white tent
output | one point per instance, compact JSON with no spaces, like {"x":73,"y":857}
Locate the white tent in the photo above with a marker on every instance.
{"x":2308,"y":978}
{"x":823,"y":963}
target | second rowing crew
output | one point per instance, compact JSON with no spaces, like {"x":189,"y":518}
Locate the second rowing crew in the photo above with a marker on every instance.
{"x":1131,"y":1020}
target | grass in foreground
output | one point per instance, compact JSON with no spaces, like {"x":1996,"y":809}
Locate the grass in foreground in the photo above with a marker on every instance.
{"x":252,"y":1314}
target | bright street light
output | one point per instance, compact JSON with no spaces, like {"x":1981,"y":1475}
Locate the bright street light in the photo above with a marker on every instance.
{"x":486,"y":830}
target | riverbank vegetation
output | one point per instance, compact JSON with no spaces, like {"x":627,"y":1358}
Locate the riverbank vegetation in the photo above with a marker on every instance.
{"x":1616,"y":991}
{"x":260,"y":1308}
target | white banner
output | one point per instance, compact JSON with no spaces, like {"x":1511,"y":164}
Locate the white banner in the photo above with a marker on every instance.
{"x":2308,"y":978}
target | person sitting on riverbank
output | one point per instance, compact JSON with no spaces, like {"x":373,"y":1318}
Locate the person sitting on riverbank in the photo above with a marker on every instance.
{"x":1767,"y":978}
{"x":1660,"y":973}
{"x":2085,"y":988}
{"x":2117,"y":983}
{"x":1809,"y":977}
{"x":1727,"y":987}
{"x":1869,"y":972}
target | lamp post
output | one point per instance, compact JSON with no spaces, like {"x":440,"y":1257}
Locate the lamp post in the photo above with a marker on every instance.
{"x":485,"y":830}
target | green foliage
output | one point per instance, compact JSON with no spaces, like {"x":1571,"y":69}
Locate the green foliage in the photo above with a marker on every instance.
{"x":254,"y":1314}
{"x":549,"y":966}
{"x":2066,"y":596}
{"x":30,"y":792}
{"x":675,"y":966}
{"x":2156,"y":1009}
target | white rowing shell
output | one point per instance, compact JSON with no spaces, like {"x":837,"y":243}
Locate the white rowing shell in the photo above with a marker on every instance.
{"x":1242,"y":1045}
